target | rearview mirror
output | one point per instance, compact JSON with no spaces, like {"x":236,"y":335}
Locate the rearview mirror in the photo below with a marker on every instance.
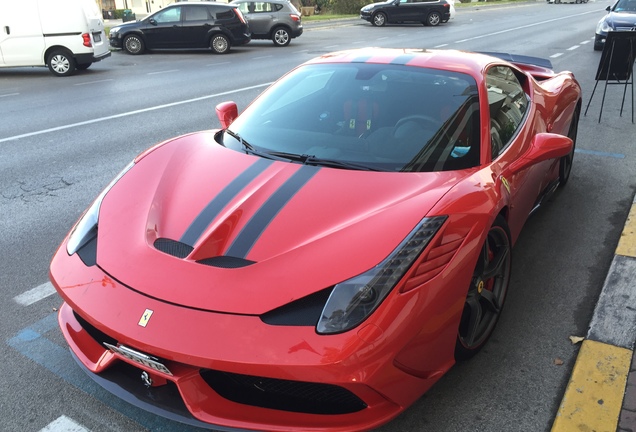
{"x":545,"y":146}
{"x":226,"y":112}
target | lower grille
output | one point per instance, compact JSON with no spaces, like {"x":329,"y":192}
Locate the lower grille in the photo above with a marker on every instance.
{"x":284,"y":395}
{"x":96,"y":334}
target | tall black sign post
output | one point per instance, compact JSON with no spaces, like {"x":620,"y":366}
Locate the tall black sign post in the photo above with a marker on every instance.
{"x":616,"y":66}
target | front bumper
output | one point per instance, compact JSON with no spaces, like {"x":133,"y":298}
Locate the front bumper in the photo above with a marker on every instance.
{"x":223,"y":373}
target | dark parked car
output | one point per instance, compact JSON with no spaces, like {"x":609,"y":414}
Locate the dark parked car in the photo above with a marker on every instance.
{"x":277,"y":20}
{"x":184,"y":25}
{"x":428,"y":12}
{"x":621,"y":17}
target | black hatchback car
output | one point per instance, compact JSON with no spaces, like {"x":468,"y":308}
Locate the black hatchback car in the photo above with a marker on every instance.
{"x":427,"y":12}
{"x":184,"y":25}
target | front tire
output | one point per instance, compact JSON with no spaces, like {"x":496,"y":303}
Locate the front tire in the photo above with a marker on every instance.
{"x":220,"y":44}
{"x":565,"y":164}
{"x":433,"y":19}
{"x":61,"y":63}
{"x":486,"y":293}
{"x":379,"y":19}
{"x":281,"y":37}
{"x":134,"y":45}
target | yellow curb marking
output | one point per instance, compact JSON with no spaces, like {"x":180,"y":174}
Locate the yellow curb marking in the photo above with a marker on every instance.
{"x":594,"y":396}
{"x":627,"y":242}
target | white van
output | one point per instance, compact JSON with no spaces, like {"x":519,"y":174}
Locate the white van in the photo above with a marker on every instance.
{"x":64,"y":35}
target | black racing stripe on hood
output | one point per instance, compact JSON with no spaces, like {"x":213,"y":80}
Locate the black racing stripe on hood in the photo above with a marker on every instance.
{"x":402,"y":60}
{"x":252,"y":231}
{"x":207,"y":215}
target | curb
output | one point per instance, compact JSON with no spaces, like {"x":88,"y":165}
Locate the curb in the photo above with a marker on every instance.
{"x":601,"y":378}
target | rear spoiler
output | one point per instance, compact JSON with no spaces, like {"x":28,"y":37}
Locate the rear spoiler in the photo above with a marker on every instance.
{"x":521,"y":59}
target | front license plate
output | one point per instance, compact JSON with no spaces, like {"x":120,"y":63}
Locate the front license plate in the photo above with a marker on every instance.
{"x":97,"y":37}
{"x":140,"y":358}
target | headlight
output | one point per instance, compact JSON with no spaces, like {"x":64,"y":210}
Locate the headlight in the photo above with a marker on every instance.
{"x":86,"y":228}
{"x":113,"y":31}
{"x":352,"y":301}
{"x":604,"y":26}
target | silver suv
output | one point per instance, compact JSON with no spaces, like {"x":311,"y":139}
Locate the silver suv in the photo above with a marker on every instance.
{"x":277,"y":20}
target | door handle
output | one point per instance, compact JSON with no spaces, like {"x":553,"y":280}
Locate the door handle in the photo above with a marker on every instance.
{"x":7,"y":30}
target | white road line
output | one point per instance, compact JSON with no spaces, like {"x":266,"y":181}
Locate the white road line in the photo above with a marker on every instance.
{"x":585,"y":42}
{"x":440,"y":46}
{"x":262,"y":57}
{"x":332,"y":46}
{"x":524,"y":26}
{"x":130,"y":113}
{"x":219,"y":63}
{"x":556,"y":55}
{"x":572,"y":48}
{"x":35,"y":294}
{"x":64,"y":424}
{"x":93,"y":82}
{"x":10,"y":94}
{"x":301,"y":51}
{"x":162,"y":72}
{"x":382,"y":38}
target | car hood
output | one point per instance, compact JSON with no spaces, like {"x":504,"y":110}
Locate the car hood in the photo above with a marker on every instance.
{"x":622,"y":19}
{"x":374,"y":5}
{"x":196,"y":224}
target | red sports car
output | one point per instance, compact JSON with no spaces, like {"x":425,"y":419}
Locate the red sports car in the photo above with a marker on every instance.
{"x":324,"y":258}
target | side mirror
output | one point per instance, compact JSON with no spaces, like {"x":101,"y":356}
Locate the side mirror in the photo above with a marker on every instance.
{"x":226,"y":112}
{"x":545,"y":146}
{"x":609,"y":8}
{"x":152,"y":21}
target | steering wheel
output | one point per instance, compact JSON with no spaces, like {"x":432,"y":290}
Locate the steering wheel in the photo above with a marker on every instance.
{"x":425,"y":121}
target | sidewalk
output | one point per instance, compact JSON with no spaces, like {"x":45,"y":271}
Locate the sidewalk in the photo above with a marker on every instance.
{"x":601,"y":394}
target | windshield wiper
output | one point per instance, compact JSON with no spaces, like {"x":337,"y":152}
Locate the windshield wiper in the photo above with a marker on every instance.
{"x":250,"y":149}
{"x":334,"y":163}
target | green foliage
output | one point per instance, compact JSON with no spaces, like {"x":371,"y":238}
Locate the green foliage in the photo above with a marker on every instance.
{"x":348,"y":6}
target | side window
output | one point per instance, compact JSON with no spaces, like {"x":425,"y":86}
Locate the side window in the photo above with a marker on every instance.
{"x":196,"y":13}
{"x":169,"y":15}
{"x":246,"y":7}
{"x":508,"y":105}
{"x":219,"y":13}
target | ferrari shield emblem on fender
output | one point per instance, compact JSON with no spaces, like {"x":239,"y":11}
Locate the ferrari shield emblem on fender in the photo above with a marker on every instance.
{"x":143,"y":321}
{"x":505,"y":183}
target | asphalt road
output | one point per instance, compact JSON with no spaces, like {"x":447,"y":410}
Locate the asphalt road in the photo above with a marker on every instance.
{"x":62,"y":140}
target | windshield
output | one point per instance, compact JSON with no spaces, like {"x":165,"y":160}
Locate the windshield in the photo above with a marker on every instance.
{"x":359,"y":115}
{"x":625,"y":6}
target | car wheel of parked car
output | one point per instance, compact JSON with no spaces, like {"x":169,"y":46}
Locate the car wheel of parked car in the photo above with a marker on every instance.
{"x":220,"y":44}
{"x":281,"y":37}
{"x":61,"y":63}
{"x":83,"y":66}
{"x":433,"y":19}
{"x":379,"y":19}
{"x":486,"y":293}
{"x":598,"y":47}
{"x":133,"y":44}
{"x":565,"y":164}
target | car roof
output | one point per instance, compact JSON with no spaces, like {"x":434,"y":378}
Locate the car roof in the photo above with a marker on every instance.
{"x":452,"y":60}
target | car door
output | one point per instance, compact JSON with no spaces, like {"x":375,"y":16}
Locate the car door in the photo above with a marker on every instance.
{"x":21,"y":39}
{"x":406,"y":10}
{"x":196,"y":24}
{"x":164,"y":29}
{"x":259,"y":15}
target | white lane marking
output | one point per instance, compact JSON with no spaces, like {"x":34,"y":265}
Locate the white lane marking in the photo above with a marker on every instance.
{"x":556,"y":55}
{"x":162,"y":72}
{"x":10,"y":94}
{"x":524,"y":26}
{"x":93,"y":82}
{"x":35,"y":294}
{"x":585,"y":42}
{"x":440,"y":46}
{"x":301,"y":51}
{"x":382,"y":38}
{"x":219,"y":63}
{"x":332,"y":46}
{"x":262,"y":57}
{"x":130,"y":113}
{"x":572,"y":48}
{"x":64,"y":424}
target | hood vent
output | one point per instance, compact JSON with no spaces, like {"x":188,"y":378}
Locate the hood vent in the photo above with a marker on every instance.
{"x":181,"y":250}
{"x":173,"y":247}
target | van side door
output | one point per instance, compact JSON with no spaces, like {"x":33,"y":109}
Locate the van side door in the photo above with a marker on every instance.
{"x":21,"y":39}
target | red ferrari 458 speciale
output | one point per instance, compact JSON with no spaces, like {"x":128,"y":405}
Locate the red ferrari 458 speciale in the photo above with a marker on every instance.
{"x":324,"y":258}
